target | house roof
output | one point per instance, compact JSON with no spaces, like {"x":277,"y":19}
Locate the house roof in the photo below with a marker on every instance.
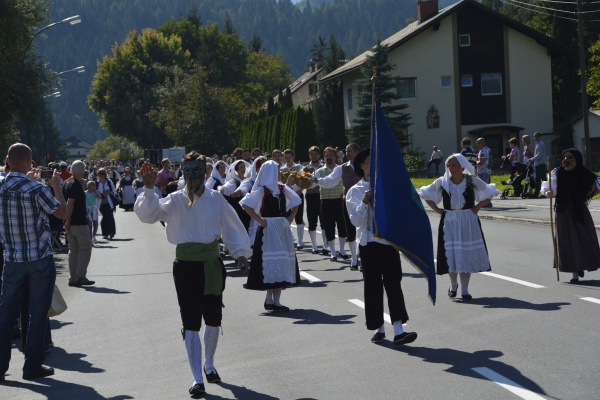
{"x":301,"y":81}
{"x":557,"y":48}
{"x":77,"y":143}
{"x":595,"y":113}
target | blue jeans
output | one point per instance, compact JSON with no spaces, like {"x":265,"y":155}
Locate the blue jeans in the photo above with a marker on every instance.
{"x":39,"y":276}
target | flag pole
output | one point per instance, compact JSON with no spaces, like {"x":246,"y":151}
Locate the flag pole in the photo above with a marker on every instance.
{"x":549,"y":170}
{"x":373,"y":148}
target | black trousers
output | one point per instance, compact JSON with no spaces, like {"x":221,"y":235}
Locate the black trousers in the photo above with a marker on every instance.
{"x":350,"y":229}
{"x":193,"y":303}
{"x":313,"y":210}
{"x":382,"y":269}
{"x":332,"y":211}
{"x":299,"y":218}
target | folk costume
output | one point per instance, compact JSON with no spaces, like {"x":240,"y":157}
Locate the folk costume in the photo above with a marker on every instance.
{"x":215,"y":180}
{"x":381,"y":263}
{"x":313,"y":211}
{"x":195,"y":224}
{"x":332,"y":209}
{"x":274,"y":265}
{"x":299,"y":219}
{"x":246,"y":186}
{"x":461,"y":244}
{"x":127,"y":193}
{"x":232,"y":183}
{"x":577,"y":241}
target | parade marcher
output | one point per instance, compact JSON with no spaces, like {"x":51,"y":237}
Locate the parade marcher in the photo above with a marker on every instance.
{"x":332,"y":209}
{"x":125,"y":187}
{"x":196,"y":217}
{"x":28,"y":259}
{"x":290,"y":166}
{"x":381,"y":262}
{"x":277,"y":156}
{"x":217,"y":176}
{"x":573,"y":186}
{"x":274,"y":265}
{"x":106,"y":188}
{"x":313,"y":202}
{"x":234,"y":179}
{"x":348,"y":178}
{"x":461,"y":245}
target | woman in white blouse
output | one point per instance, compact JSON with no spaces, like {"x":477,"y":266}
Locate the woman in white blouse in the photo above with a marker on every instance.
{"x":461,"y":245}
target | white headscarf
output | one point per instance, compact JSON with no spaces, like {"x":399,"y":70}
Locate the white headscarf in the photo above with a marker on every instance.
{"x":467,"y":168}
{"x":251,"y":173}
{"x":215,"y":174}
{"x":268,"y":177}
{"x":232,"y":173}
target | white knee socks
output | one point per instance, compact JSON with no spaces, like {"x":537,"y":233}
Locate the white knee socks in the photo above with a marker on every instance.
{"x":211,"y":339}
{"x":313,"y":239}
{"x":276,"y":297}
{"x":332,"y":248}
{"x":352,"y":246}
{"x":269,"y":299}
{"x":300,"y":231}
{"x":194,"y":353}
{"x":398,"y":330}
{"x":324,"y":239}
{"x":453,"y":281}
{"x":464,"y":281}
{"x":342,"y":245}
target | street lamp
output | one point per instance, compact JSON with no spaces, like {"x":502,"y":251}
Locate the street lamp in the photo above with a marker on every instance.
{"x":79,"y":70}
{"x":71,"y":21}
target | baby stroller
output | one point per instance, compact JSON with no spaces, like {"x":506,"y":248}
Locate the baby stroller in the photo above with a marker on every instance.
{"x":520,"y":182}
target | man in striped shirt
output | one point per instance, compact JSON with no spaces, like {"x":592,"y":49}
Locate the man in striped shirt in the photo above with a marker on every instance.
{"x":25,"y":234}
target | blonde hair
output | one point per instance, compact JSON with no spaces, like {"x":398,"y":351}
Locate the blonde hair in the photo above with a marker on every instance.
{"x":526,"y":139}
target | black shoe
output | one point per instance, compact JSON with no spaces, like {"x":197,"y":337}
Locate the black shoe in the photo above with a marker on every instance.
{"x":213,"y":377}
{"x":345,"y":256}
{"x":354,"y":268}
{"x":197,"y":389}
{"x":325,"y":252}
{"x":111,"y":237}
{"x":332,"y":259}
{"x":467,"y":297}
{"x":574,"y":280}
{"x":451,"y":293}
{"x":105,"y":237}
{"x":268,"y":307}
{"x":75,"y":284}
{"x":2,"y":378}
{"x":40,"y":373}
{"x":315,"y":251}
{"x":580,"y":274}
{"x":405,"y":338}
{"x":86,"y":282}
{"x":299,"y":247}
{"x":361,"y":269}
{"x":281,"y":308}
{"x":378,"y":337}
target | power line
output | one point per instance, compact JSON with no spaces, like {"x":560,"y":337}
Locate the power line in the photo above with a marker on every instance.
{"x":509,"y":2}
{"x":544,"y":8}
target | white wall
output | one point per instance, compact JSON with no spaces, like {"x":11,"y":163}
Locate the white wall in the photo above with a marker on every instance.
{"x":578,"y":135}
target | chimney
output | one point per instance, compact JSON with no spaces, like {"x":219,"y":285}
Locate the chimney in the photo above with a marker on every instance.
{"x":426,"y":9}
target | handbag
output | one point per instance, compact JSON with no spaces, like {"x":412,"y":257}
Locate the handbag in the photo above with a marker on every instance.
{"x":58,"y":305}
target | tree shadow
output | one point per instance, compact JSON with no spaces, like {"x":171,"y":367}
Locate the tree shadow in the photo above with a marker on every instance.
{"x":311,"y":317}
{"x":53,"y":389}
{"x":241,"y":392}
{"x":104,"y":290}
{"x":60,"y":359}
{"x":511,"y":303}
{"x":462,"y":363}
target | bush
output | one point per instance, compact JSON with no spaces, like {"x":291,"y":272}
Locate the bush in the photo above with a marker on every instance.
{"x":414,"y":161}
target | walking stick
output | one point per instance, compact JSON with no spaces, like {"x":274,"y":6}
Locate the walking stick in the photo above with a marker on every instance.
{"x":549,"y":170}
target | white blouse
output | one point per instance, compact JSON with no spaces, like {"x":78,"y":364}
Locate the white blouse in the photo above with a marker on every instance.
{"x":546,"y":184}
{"x":255,"y":197}
{"x":360,"y":213}
{"x":209,"y":219}
{"x":482,"y":191}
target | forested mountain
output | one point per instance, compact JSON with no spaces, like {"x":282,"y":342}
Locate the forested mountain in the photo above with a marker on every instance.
{"x":282,"y":26}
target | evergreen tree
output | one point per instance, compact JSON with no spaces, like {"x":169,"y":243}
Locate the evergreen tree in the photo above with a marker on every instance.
{"x":378,"y":66}
{"x":255,"y":44}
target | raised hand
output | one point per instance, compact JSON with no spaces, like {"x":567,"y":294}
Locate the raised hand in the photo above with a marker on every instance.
{"x":148,"y":174}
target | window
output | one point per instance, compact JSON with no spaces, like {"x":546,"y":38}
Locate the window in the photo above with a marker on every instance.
{"x":407,"y":89}
{"x":464,"y":40}
{"x":349,"y":99}
{"x":491,"y":84}
{"x":446,"y":81}
{"x":466,"y":80}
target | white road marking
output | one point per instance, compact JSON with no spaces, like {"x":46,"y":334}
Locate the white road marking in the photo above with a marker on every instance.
{"x":508,"y":384}
{"x":508,"y":278}
{"x":361,"y":304}
{"x":591,"y":299}
{"x":309,"y":276}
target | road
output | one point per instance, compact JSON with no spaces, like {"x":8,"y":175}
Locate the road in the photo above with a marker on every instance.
{"x":523,"y":336}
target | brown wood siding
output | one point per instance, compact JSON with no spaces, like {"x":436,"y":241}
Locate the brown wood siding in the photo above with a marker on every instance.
{"x":484,"y":55}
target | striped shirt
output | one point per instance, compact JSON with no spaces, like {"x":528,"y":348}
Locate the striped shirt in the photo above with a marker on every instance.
{"x":24,"y":208}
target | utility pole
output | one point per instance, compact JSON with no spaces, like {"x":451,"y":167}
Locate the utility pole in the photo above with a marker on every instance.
{"x":584,"y":103}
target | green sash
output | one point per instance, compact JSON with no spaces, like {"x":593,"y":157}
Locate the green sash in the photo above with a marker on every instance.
{"x":209,"y":255}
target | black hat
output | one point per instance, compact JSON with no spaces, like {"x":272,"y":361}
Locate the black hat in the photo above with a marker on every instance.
{"x":358,"y":160}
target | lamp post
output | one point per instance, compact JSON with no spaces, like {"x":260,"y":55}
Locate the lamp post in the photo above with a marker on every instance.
{"x":72,"y":21}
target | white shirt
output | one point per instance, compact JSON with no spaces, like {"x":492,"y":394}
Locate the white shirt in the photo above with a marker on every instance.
{"x":255,"y":197}
{"x":360,"y":213}
{"x":331,"y":180}
{"x":209,"y":219}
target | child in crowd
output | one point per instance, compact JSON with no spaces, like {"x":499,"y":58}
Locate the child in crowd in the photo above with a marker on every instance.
{"x":91,"y":203}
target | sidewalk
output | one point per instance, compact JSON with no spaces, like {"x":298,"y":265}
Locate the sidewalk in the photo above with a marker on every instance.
{"x":534,"y":211}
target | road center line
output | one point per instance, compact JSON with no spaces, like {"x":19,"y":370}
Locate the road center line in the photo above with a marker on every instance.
{"x":591,"y":299}
{"x":361,"y":304}
{"x":507,"y":384}
{"x":309,"y":276}
{"x":508,"y":278}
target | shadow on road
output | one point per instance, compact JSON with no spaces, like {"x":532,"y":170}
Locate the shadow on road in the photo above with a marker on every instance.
{"x":60,"y":359}
{"x":510,"y":303}
{"x":590,"y":283}
{"x":311,"y":317}
{"x":54,"y":324}
{"x":104,"y":290}
{"x":462,"y":362}
{"x":58,"y":390}
{"x":240,"y":392}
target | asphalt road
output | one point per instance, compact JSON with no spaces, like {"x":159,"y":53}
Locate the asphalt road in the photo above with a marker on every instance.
{"x":530,"y":337}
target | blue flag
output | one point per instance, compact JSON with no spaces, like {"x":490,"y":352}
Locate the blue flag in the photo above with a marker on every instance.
{"x":400,"y":218}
